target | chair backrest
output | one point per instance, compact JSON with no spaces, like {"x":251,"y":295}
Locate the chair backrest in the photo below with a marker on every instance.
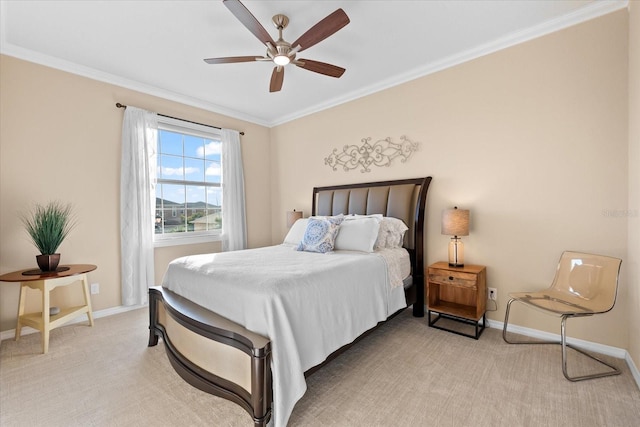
{"x":590,"y":278}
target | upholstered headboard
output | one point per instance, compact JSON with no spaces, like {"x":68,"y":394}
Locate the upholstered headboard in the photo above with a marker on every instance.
{"x":404,"y":199}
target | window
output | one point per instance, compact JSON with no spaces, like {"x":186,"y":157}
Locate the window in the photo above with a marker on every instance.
{"x":188,"y":189}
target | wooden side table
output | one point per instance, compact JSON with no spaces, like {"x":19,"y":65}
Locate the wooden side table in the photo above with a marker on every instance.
{"x":46,"y":282}
{"x":459,"y":294}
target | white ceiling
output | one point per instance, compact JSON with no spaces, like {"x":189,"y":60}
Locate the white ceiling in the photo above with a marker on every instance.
{"x":158,"y":47}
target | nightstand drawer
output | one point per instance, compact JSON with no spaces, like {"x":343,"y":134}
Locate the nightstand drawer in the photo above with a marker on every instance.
{"x":453,"y":278}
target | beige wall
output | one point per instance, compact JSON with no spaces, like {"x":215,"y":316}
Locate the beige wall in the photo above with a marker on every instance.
{"x":60,"y":139}
{"x":634,"y":182}
{"x":532,"y":139}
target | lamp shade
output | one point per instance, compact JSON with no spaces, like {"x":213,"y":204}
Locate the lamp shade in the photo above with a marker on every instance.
{"x":292,"y":217}
{"x":455,"y":222}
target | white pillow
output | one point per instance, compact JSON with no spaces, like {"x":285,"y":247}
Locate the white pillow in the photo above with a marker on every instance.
{"x":357,"y":233}
{"x":320,"y":234}
{"x":296,"y":232}
{"x":357,"y":216}
{"x":391,"y":234}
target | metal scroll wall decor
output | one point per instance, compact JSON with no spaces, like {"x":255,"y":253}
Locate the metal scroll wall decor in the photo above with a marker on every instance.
{"x":380,"y":153}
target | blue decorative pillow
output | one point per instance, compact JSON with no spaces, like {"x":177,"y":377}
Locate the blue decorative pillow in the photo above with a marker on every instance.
{"x":320,"y":234}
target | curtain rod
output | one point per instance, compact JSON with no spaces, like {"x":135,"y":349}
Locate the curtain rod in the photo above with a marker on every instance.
{"x":177,"y":118}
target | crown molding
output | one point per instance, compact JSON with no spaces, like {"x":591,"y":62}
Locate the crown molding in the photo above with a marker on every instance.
{"x":10,"y":49}
{"x":593,"y":10}
{"x":92,"y":73}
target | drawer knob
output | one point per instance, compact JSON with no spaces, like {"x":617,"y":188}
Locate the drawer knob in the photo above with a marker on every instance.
{"x":450,"y":277}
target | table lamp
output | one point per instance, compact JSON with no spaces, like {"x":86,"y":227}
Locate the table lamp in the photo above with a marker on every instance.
{"x":455,"y":222}
{"x":292,"y":217}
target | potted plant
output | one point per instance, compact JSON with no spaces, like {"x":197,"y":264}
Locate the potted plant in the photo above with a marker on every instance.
{"x":48,"y":226}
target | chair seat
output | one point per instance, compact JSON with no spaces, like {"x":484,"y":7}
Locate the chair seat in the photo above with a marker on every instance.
{"x":559,"y":303}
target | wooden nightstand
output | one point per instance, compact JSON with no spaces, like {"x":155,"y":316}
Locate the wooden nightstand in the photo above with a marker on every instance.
{"x":457,"y":293}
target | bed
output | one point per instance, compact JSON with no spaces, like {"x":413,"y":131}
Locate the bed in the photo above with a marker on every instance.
{"x":251,"y":334}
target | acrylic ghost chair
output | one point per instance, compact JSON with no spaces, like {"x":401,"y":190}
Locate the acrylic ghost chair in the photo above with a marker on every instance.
{"x":584,"y":285}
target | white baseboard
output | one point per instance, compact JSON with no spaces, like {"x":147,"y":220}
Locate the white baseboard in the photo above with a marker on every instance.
{"x":10,"y":334}
{"x":633,"y":368}
{"x":619,"y":353}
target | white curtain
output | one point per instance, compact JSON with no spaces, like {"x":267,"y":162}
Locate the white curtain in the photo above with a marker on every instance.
{"x":234,"y":227}
{"x":137,"y":203}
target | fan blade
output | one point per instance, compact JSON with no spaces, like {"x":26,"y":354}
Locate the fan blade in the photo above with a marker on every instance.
{"x":320,"y":67}
{"x":232,"y":59}
{"x":323,"y":29}
{"x":277,"y":78}
{"x":248,"y":20}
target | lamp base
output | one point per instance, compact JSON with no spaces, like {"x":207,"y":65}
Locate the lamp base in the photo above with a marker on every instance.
{"x":456,"y":252}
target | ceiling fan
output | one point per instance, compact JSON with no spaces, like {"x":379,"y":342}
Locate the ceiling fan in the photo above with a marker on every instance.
{"x":280,"y":52}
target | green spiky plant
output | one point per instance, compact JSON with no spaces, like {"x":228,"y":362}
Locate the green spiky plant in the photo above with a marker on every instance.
{"x":49,"y":225}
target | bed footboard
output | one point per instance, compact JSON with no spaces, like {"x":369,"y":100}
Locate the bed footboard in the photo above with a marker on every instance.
{"x":212,"y":353}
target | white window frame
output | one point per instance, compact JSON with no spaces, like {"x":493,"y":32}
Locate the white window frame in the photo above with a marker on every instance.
{"x":194,"y":129}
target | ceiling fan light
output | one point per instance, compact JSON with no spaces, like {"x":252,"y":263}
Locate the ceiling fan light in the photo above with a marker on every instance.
{"x":281,"y":59}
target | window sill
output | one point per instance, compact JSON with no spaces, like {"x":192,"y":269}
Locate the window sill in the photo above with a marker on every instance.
{"x":187,"y":240}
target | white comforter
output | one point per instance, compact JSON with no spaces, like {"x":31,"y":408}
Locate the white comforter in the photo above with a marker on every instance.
{"x":308,"y":304}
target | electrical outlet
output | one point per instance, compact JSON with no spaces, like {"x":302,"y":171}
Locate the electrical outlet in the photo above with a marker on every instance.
{"x":493,"y":293}
{"x":95,"y":288}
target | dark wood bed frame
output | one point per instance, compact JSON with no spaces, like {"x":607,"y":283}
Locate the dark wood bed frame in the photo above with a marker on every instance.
{"x":196,"y":339}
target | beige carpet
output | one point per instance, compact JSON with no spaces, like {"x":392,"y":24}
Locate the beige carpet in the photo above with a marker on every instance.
{"x":404,"y":374}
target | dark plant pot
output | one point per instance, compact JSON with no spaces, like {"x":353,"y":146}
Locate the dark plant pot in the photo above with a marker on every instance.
{"x":48,"y":262}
